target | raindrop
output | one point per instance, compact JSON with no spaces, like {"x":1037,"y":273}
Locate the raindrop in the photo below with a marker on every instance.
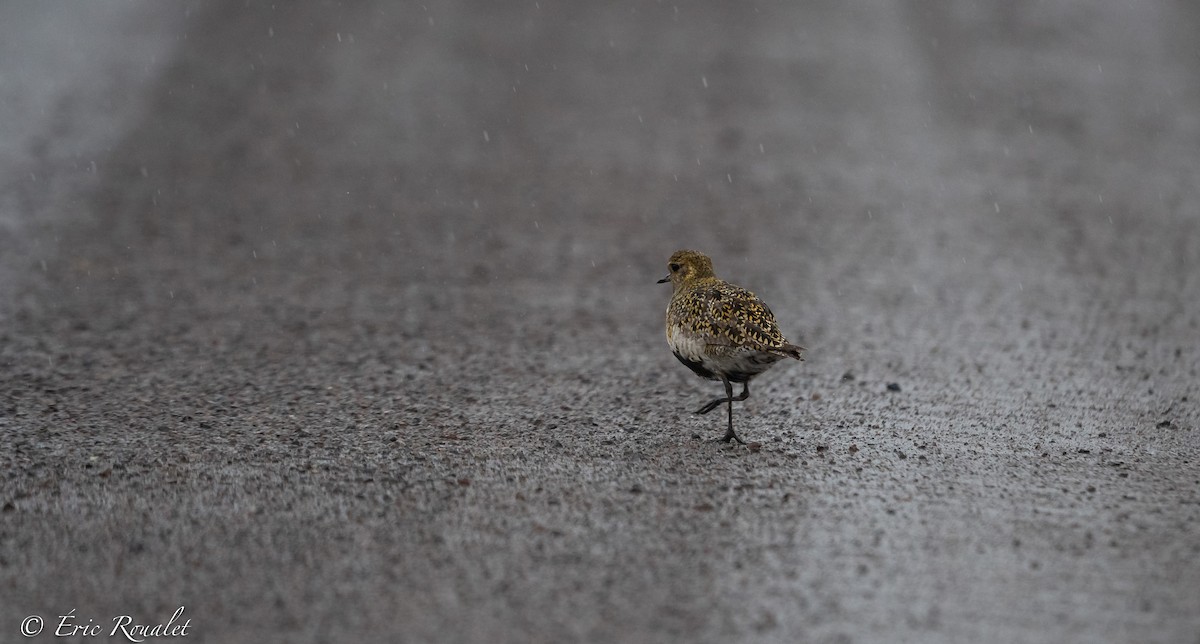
{"x":486,"y":138}
{"x":729,"y":177}
{"x":705,"y":81}
{"x":760,"y":149}
{"x":270,"y":32}
{"x":996,"y":205}
{"x":339,"y":36}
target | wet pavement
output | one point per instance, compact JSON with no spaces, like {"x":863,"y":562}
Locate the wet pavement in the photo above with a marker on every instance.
{"x":340,"y":323}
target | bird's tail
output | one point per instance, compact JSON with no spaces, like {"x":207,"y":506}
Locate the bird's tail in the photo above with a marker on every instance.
{"x":792,"y":351}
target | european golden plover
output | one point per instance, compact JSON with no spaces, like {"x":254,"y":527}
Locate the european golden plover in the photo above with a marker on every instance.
{"x":720,"y":331}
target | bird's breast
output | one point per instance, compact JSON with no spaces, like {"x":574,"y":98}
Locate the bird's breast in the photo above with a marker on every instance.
{"x":684,"y":343}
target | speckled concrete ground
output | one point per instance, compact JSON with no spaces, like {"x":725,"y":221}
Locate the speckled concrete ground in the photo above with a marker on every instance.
{"x":339,"y":323}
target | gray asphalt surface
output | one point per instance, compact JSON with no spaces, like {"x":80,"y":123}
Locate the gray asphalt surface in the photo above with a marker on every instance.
{"x":338,"y":323}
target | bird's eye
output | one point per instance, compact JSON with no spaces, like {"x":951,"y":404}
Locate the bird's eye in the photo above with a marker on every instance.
{"x":674,"y":267}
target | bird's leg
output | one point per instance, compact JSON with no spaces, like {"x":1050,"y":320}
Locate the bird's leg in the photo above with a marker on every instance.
{"x":728,"y":399}
{"x":729,"y":434}
{"x":716,"y":402}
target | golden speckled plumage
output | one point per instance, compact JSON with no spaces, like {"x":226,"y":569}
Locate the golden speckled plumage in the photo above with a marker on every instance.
{"x":724,"y":315}
{"x":719,"y":330}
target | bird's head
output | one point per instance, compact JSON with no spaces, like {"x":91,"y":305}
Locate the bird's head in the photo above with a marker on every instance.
{"x":685,"y":266}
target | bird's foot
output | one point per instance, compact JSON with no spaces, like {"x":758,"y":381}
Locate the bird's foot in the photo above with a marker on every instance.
{"x":729,"y":437}
{"x":712,"y":405}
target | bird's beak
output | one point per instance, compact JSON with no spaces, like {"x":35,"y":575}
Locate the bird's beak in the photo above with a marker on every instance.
{"x":664,"y":280}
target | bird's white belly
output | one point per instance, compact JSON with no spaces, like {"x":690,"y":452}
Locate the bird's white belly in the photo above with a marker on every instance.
{"x":737,"y":364}
{"x":688,"y":346}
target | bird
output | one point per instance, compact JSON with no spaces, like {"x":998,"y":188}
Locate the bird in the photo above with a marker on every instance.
{"x":721,"y":331}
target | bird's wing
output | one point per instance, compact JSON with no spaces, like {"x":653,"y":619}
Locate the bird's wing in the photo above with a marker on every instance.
{"x":740,"y":319}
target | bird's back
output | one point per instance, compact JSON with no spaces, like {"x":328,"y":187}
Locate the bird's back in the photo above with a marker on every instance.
{"x":718,"y":328}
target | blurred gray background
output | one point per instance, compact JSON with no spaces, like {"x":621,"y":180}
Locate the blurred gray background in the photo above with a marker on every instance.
{"x":337,"y":322}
